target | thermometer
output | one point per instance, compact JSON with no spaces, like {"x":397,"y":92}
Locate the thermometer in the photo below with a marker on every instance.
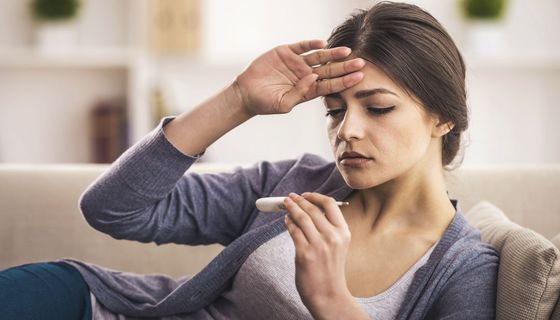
{"x":273,"y":204}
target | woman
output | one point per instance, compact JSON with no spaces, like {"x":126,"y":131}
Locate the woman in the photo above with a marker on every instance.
{"x":394,"y":94}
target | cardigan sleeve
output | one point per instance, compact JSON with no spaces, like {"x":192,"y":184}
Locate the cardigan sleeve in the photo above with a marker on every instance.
{"x":146,"y":196}
{"x":470,"y":292}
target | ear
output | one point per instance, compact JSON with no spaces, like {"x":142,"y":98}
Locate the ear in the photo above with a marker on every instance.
{"x":441,"y":128}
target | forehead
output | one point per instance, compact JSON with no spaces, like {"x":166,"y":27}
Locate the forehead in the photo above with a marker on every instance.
{"x":374,"y":75}
{"x":374,"y":78}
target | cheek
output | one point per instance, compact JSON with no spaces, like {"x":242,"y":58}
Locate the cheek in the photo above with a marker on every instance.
{"x":394,"y":140}
{"x":390,"y":143}
{"x":401,"y":140}
{"x":414,"y":140}
{"x":331,"y":133}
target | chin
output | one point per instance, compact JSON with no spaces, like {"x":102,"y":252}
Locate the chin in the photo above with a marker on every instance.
{"x":360,"y":180}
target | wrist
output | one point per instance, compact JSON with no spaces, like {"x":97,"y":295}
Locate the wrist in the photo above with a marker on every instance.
{"x":344,"y":306}
{"x":195,"y":130}
{"x":234,"y":97}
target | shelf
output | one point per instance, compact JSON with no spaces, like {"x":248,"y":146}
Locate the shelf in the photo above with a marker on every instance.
{"x":197,"y":61}
{"x":80,"y":58}
{"x":515,"y":61}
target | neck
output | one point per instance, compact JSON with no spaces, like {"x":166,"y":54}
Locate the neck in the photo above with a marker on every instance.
{"x":415,"y":200}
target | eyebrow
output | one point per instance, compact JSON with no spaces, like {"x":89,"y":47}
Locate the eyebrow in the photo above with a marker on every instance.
{"x":362,"y":93}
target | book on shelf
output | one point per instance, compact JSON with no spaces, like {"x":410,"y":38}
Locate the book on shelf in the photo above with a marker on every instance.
{"x":109,"y":130}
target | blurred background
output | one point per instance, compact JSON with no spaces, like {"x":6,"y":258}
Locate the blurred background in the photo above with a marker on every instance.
{"x":81,"y":81}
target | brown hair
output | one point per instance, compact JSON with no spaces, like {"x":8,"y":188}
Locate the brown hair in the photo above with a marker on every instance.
{"x":416,"y":52}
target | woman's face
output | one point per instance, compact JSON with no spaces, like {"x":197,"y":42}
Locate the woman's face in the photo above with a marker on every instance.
{"x":382,"y":122}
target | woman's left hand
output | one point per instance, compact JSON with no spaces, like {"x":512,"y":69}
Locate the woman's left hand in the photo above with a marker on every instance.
{"x":321,"y":237}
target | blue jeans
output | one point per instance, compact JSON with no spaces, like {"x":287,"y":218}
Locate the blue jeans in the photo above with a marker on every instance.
{"x":50,"y":290}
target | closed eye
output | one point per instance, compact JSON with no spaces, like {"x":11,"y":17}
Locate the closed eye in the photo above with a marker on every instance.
{"x":375,"y":111}
{"x":333,"y":113}
{"x":381,"y":110}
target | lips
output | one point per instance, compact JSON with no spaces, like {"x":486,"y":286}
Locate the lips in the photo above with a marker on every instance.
{"x":353,"y":159}
{"x":352,"y":154}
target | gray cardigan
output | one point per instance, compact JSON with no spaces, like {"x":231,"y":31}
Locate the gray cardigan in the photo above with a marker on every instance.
{"x":147,"y":195}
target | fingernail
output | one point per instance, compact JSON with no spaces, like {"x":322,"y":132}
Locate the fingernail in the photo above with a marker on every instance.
{"x":356,"y":76}
{"x":305,"y":194}
{"x":359,"y":62}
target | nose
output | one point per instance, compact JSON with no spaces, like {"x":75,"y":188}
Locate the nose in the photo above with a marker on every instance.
{"x":352,"y":126}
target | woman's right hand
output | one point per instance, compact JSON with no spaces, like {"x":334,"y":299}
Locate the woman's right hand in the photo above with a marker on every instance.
{"x":283,"y":77}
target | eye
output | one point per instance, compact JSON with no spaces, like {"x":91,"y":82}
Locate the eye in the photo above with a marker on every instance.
{"x":333,"y":113}
{"x":379,"y":111}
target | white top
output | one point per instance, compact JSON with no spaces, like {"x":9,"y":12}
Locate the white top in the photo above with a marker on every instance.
{"x":264,"y":288}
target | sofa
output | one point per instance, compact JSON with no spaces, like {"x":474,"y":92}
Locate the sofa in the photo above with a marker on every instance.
{"x":517,"y":209}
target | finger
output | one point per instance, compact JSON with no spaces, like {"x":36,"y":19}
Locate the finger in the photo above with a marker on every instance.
{"x":338,"y":69}
{"x":316,"y":213}
{"x":294,"y":62}
{"x":323,"y":56}
{"x":333,"y":85}
{"x":332,"y":211}
{"x":298,"y":93}
{"x":307,"y":45}
{"x":303,"y":221}
{"x":296,"y":233}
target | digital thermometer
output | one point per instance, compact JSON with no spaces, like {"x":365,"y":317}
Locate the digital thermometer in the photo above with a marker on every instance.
{"x":273,"y":204}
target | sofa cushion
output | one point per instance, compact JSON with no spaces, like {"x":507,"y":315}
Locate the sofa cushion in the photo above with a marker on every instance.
{"x":529,"y":270}
{"x":556,"y":241}
{"x":556,"y":312}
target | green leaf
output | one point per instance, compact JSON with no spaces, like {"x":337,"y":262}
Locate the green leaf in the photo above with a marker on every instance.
{"x":484,"y":9}
{"x":55,"y":9}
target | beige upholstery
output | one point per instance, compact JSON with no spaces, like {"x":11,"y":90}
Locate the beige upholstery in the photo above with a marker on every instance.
{"x":528,"y":195}
{"x":556,"y":312}
{"x":556,"y":241}
{"x":529,"y":271}
{"x":41,"y":222}
{"x":40,"y":219}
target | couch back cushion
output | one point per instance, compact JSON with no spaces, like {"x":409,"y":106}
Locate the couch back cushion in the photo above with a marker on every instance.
{"x":556,"y":241}
{"x":527,"y":194}
{"x":556,"y":312}
{"x":529,"y":271}
{"x":40,"y":221}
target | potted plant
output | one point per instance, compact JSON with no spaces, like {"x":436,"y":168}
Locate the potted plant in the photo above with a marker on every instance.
{"x":56,"y":24}
{"x":484,"y":24}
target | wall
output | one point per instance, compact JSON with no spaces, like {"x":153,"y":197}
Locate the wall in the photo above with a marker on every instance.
{"x":512,"y":96}
{"x":45,"y":101}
